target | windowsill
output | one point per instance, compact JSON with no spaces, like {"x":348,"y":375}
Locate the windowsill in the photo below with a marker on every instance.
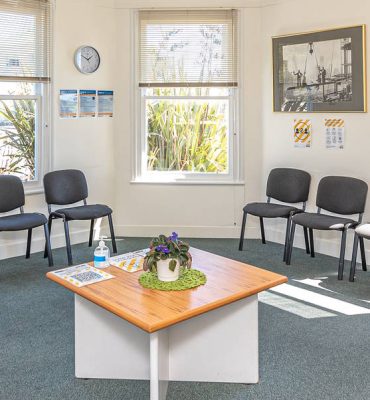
{"x":187,"y":182}
{"x":32,"y":191}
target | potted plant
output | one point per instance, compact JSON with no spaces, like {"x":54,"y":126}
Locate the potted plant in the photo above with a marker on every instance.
{"x":166,"y":256}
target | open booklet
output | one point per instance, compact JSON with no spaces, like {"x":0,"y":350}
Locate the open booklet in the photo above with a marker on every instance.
{"x":130,"y":262}
{"x":82,"y":275}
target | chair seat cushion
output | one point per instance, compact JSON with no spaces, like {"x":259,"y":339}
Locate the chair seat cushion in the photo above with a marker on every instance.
{"x":19,"y":222}
{"x":90,"y":211}
{"x":322,"y":222}
{"x":269,"y":210}
{"x":364,"y":231}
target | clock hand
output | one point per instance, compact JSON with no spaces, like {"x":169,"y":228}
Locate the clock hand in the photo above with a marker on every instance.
{"x":84,"y":57}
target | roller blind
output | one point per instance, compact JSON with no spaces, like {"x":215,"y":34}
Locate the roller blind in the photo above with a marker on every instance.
{"x":188,"y":48}
{"x":25,"y":40}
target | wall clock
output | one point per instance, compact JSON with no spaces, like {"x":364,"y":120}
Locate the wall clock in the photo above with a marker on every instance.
{"x":87,"y":59}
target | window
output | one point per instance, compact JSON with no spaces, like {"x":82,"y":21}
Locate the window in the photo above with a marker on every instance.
{"x":25,"y":37}
{"x":187,"y":68}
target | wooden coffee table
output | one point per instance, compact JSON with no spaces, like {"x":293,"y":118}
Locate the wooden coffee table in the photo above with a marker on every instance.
{"x":206,"y":334}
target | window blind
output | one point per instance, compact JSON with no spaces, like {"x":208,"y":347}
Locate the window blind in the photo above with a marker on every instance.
{"x":25,"y":40}
{"x":188,"y":48}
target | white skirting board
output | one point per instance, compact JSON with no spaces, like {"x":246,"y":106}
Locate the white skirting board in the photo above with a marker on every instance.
{"x":329,"y":246}
{"x":218,"y":346}
{"x":221,"y":232}
{"x":13,"y":244}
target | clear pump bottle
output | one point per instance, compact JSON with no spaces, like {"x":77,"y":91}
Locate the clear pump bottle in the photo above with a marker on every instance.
{"x":101,"y":254}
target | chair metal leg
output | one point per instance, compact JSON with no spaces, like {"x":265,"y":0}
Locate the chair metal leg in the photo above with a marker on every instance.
{"x":363,"y":255}
{"x":113,"y":237}
{"x":49,"y":233}
{"x":290,"y":247}
{"x":262,"y":231}
{"x":68,"y":242}
{"x":305,"y":232}
{"x":241,"y":240}
{"x":91,"y":232}
{"x":48,"y":246}
{"x":311,"y":243}
{"x":29,"y":238}
{"x":286,"y":239}
{"x":354,"y":258}
{"x":342,"y":253}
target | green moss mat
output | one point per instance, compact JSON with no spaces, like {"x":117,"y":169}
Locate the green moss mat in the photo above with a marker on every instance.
{"x":190,"y":278}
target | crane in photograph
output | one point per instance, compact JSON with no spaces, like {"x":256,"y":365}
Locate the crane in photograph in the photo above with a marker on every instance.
{"x":327,"y":87}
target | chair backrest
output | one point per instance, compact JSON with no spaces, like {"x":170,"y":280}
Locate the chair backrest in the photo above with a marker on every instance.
{"x":342,"y":195}
{"x":288,"y":185}
{"x":11,"y":193}
{"x":65,"y":187}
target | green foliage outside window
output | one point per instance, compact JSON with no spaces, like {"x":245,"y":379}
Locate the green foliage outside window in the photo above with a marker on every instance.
{"x":187,"y":136}
{"x":18,"y":134}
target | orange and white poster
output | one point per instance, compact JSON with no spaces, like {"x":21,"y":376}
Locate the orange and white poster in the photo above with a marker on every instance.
{"x":302,"y":133}
{"x":334,"y":133}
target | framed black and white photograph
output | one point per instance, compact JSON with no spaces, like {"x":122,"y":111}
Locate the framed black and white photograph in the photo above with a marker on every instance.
{"x":321,"y":71}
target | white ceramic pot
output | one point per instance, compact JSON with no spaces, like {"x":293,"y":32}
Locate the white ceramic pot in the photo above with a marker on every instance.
{"x":164,"y":273}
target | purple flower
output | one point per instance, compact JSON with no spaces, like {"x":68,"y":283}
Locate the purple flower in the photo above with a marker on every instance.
{"x":174,"y":237}
{"x":163,"y":248}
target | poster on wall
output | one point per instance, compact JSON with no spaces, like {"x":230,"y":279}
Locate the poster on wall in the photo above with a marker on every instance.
{"x":334,"y":133}
{"x":302,"y":133}
{"x":68,"y":103}
{"x":322,"y":71}
{"x":87,"y":103}
{"x":105,"y":103}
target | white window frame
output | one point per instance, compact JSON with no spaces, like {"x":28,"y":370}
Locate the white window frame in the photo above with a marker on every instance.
{"x":44,"y":98}
{"x":234,"y":176}
{"x":42,"y":142}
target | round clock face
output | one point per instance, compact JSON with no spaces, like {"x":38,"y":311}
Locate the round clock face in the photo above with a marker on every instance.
{"x":87,"y":59}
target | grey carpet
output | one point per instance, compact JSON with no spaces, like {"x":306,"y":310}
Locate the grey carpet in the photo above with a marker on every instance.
{"x":319,"y":358}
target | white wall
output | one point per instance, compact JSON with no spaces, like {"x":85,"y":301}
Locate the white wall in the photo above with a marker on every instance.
{"x":86,"y":144}
{"x":192,"y":210}
{"x":102,"y":148}
{"x":278,"y":150}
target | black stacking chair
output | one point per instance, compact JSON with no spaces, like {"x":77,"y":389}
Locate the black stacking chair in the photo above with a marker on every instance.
{"x":286,"y":185}
{"x":67,"y":187}
{"x":336,"y":194}
{"x":11,"y":198}
{"x":361,"y":232}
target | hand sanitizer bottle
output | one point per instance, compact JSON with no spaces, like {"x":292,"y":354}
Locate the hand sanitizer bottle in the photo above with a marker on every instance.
{"x":101,"y":255}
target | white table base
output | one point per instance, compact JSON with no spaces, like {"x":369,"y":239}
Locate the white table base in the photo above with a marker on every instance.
{"x":218,"y":346}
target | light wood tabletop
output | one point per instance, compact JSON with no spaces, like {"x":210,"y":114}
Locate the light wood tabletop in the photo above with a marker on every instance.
{"x":227,"y":281}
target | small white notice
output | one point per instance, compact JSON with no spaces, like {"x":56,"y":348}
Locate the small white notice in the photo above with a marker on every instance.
{"x":82,"y":275}
{"x":334,"y":133}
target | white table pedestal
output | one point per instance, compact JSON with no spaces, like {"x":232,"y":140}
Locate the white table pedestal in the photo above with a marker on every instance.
{"x":218,"y":346}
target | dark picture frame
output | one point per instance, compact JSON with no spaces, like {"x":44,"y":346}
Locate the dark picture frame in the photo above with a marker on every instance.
{"x":321,"y":71}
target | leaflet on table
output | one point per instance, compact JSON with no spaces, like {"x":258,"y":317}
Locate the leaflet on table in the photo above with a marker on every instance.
{"x":130,"y":262}
{"x":87,"y":103}
{"x":82,"y":275}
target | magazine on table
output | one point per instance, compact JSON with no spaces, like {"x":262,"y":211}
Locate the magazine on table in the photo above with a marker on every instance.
{"x":129,"y":262}
{"x":82,"y":275}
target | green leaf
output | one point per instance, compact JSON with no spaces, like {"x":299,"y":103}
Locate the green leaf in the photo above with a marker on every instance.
{"x":172,"y":265}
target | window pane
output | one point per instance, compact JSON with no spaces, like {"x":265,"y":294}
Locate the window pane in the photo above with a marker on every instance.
{"x":188,"y":46}
{"x":25,"y":38}
{"x":17,"y":138}
{"x":187,"y":135}
{"x":188,"y":91}
{"x":18,"y":88}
